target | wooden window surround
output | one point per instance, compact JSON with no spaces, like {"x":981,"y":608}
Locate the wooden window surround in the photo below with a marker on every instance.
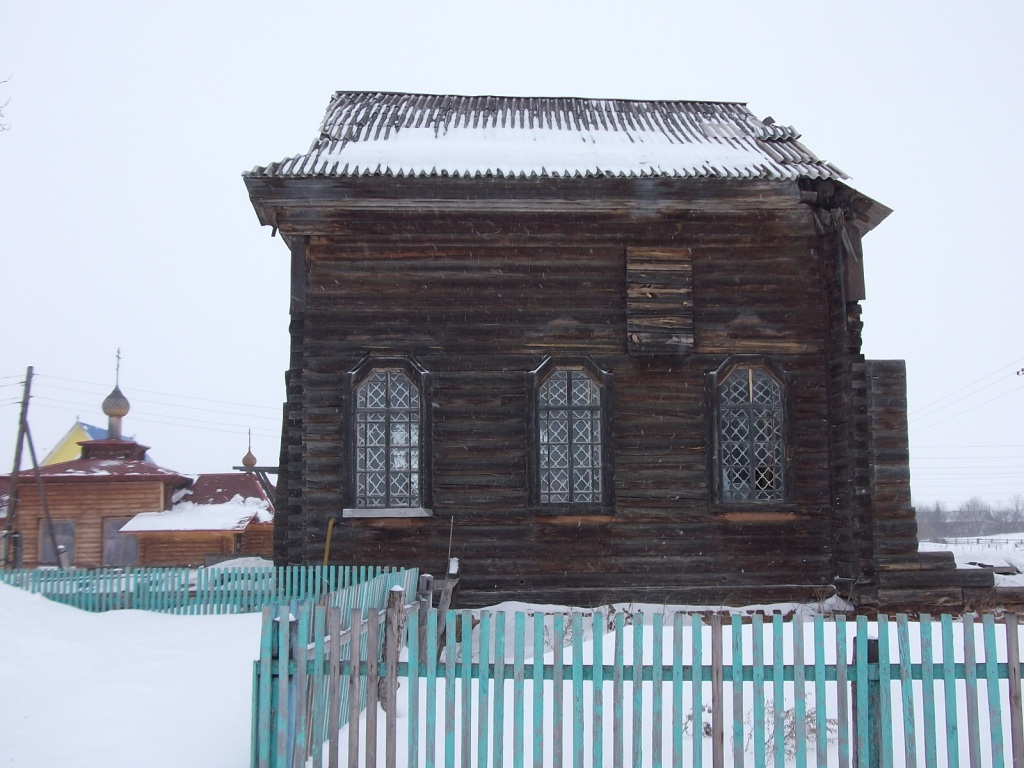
{"x":386,"y":401}
{"x":749,"y":432}
{"x":64,"y":531}
{"x":570,"y":458}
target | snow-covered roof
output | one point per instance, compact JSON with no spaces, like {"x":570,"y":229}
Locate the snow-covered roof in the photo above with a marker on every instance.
{"x":403,"y":134}
{"x":136,"y":469}
{"x":231,"y":516}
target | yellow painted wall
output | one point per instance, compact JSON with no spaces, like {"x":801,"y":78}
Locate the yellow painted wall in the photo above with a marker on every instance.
{"x":67,"y":448}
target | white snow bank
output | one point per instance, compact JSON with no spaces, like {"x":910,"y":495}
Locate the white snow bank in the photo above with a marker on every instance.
{"x":124,"y":688}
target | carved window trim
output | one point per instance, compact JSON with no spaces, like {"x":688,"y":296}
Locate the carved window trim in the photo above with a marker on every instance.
{"x":412,"y":412}
{"x":590,"y":418}
{"x":750,"y":433}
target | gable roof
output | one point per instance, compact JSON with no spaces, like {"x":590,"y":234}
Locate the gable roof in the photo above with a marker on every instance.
{"x":220,"y":488}
{"x":404,"y":134}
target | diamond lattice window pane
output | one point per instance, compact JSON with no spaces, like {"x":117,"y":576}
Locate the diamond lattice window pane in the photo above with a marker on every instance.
{"x":387,"y":440}
{"x":750,"y":436}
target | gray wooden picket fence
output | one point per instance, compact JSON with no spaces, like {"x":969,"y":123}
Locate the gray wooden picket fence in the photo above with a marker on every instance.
{"x":619,"y":688}
{"x":212,"y":590}
{"x":295,"y":713}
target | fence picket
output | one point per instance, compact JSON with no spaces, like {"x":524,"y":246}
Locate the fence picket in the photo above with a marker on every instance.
{"x":291,"y":708}
{"x":757,"y":639}
{"x":737,"y":689}
{"x":449,"y":689}
{"x":638,"y":688}
{"x":617,"y":703}
{"x":466,"y":645}
{"x":949,"y":689}
{"x":413,"y":736}
{"x":971,"y":678}
{"x":928,"y":690}
{"x":498,"y":755}
{"x":483,"y":691}
{"x":820,"y":703}
{"x":558,"y":689}
{"x":697,"y":690}
{"x":431,"y":740}
{"x":778,"y":695}
{"x":599,"y":626}
{"x":677,"y":690}
{"x":995,"y":714}
{"x":657,"y":626}
{"x":538,"y":689}
{"x":799,"y":690}
{"x":907,"y":690}
{"x":885,"y":687}
{"x":1013,"y":672}
{"x":518,"y":716}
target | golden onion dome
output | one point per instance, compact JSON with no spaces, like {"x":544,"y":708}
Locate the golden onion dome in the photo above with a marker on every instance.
{"x":248,"y":460}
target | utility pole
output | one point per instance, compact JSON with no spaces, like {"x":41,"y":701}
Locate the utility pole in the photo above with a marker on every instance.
{"x":12,"y":501}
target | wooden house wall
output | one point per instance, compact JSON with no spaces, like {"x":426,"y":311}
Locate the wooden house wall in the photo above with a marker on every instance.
{"x":184,"y":548}
{"x":87,"y":504}
{"x":480,"y":301}
{"x":258,"y":540}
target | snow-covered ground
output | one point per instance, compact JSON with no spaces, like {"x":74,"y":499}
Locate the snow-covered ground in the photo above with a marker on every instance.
{"x":1004,"y":551}
{"x":130,"y":688}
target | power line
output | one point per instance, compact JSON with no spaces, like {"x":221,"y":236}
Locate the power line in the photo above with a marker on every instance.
{"x":916,"y":412}
{"x":237,"y":428}
{"x":961,"y":413}
{"x":162,"y":394}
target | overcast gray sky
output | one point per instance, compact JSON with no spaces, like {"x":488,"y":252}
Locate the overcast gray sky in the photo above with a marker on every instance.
{"x":124,"y":222}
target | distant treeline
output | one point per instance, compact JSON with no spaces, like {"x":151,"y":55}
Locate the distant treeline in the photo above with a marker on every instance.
{"x":972,"y":518}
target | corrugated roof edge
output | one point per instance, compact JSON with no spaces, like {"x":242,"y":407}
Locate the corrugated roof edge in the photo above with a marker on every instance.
{"x":354,"y":116}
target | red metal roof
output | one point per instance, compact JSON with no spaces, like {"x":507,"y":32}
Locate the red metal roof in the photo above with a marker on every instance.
{"x":219,"y":488}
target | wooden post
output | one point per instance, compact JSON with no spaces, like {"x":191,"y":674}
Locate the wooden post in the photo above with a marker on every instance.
{"x":873,"y":736}
{"x":1013,"y":672}
{"x":392,"y":644}
{"x":424,"y":602}
{"x":12,"y":503}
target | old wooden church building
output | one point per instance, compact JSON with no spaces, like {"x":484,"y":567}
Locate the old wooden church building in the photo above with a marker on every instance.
{"x":597,"y":349}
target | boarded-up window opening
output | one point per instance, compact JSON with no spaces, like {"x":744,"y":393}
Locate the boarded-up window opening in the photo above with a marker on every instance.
{"x":659,"y":301}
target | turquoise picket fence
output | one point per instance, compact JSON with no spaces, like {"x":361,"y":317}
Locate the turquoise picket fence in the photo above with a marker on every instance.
{"x":296,"y":714}
{"x":619,"y":688}
{"x":212,"y":590}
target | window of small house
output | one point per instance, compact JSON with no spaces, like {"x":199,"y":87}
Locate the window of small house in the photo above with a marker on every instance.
{"x":569,"y":438}
{"x":387,"y":444}
{"x":751,"y":446}
{"x":64,"y":532}
{"x":119,"y":549}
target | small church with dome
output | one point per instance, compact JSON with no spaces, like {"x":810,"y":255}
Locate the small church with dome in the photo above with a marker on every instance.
{"x":113,"y":506}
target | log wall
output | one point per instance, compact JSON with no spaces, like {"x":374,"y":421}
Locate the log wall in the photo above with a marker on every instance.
{"x":479,"y":302}
{"x":87,"y":504}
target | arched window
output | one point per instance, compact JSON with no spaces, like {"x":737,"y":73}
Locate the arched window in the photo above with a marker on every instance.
{"x":569,"y":438}
{"x":387,"y":441}
{"x":751,"y":446}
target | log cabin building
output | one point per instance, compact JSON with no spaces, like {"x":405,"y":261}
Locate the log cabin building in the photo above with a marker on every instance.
{"x":600,"y":350}
{"x":112,"y":506}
